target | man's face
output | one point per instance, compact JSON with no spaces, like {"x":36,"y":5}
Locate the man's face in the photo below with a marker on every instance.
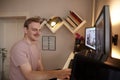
{"x":33,"y":31}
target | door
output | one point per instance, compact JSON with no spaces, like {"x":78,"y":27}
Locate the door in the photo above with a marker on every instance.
{"x":1,"y":40}
{"x":11,"y":30}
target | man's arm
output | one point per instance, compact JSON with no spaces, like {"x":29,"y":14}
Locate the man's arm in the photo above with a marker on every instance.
{"x":40,"y":65}
{"x":29,"y":74}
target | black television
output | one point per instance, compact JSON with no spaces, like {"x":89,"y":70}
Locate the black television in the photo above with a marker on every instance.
{"x":85,"y":68}
{"x":90,"y":37}
{"x":103,"y":34}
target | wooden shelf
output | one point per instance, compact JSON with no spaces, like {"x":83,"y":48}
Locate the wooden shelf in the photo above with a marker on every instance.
{"x":52,"y":29}
{"x":55,"y":28}
{"x":76,"y":29}
{"x":66,"y":24}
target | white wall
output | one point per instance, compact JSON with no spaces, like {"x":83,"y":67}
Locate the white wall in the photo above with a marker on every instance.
{"x":47,"y":9}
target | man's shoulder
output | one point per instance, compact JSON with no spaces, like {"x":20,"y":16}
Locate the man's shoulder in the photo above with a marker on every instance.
{"x":20,"y":44}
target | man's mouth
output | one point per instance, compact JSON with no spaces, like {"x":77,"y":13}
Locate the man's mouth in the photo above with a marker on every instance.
{"x":36,"y":35}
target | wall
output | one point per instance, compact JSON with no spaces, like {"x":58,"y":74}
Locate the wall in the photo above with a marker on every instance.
{"x":115,"y":21}
{"x":47,"y":9}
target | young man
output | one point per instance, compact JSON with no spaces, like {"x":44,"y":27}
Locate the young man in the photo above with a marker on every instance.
{"x":25,"y":57}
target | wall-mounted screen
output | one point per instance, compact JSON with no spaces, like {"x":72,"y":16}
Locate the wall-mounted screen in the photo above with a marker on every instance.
{"x":103,"y":34}
{"x":90,"y":37}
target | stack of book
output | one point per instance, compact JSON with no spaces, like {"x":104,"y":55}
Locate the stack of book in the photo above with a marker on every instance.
{"x":73,"y":19}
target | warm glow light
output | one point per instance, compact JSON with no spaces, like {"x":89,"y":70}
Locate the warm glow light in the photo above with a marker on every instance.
{"x":54,"y":20}
{"x":53,"y":23}
{"x":115,"y":19}
{"x":115,"y":12}
{"x":115,"y":53}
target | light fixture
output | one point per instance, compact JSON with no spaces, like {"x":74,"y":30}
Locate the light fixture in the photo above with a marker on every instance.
{"x":115,"y":19}
{"x":115,"y":39}
{"x":54,"y":20}
{"x":53,"y":23}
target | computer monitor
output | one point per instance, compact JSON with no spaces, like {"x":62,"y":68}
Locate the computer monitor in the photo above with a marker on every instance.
{"x":85,"y":68}
{"x":103,"y":34}
{"x":90,"y":37}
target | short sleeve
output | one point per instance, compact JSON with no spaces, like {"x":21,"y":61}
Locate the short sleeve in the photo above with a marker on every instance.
{"x":19,"y":55}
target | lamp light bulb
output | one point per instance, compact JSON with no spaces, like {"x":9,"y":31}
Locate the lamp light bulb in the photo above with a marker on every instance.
{"x":53,"y":23}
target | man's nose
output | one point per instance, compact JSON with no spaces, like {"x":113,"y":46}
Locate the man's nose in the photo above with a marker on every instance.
{"x":38,"y":31}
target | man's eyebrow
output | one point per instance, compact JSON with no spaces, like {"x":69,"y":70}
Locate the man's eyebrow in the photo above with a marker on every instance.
{"x":36,"y":28}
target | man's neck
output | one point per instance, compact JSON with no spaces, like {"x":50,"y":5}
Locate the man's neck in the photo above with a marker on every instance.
{"x":29,"y":41}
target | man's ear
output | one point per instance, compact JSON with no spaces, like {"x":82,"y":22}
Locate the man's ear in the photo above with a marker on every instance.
{"x":25,"y":30}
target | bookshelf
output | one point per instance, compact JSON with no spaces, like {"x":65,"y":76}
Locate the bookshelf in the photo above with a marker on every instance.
{"x":72,"y":21}
{"x":75,"y":22}
{"x":52,"y":29}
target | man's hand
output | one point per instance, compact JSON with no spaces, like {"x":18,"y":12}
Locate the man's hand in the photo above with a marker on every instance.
{"x":64,"y":74}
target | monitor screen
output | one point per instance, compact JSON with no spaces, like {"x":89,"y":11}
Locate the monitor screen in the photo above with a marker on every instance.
{"x":90,"y":37}
{"x":103,"y":34}
{"x":85,"y":68}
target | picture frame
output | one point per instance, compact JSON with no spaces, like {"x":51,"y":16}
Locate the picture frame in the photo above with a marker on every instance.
{"x":49,"y":43}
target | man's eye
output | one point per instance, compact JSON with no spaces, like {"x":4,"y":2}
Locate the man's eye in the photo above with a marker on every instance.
{"x":34,"y":29}
{"x":39,"y":30}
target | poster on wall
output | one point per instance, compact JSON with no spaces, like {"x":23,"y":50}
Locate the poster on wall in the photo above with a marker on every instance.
{"x":49,"y":43}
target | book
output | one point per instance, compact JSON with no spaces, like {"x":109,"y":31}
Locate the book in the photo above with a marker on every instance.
{"x":71,"y":27}
{"x":76,"y":16}
{"x":74,"y":19}
{"x":71,"y":22}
